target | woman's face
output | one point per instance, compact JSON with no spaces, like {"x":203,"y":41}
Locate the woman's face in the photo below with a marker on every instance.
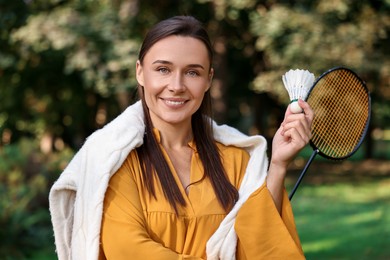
{"x":175,"y":74}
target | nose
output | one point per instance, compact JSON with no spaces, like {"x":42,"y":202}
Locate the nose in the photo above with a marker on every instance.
{"x":177,"y":83}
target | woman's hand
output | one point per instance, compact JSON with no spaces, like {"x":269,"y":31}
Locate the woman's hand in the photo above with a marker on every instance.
{"x":293,"y":134}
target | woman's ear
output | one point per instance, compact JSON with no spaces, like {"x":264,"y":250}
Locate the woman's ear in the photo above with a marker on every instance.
{"x":211,"y":75}
{"x":139,"y":73}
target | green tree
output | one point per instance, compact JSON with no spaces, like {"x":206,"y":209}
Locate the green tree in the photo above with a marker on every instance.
{"x":319,"y":35}
{"x":68,"y":66}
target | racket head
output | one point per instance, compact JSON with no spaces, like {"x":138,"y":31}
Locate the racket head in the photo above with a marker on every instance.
{"x":342,"y":110}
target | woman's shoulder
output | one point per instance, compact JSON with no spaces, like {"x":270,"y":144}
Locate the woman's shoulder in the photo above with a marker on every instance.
{"x":233,"y":156}
{"x":235,"y":160}
{"x":129,"y":168}
{"x":232,"y":150}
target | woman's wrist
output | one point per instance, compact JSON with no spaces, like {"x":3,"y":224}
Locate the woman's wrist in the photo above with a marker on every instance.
{"x":275,"y":183}
{"x":278,"y":169}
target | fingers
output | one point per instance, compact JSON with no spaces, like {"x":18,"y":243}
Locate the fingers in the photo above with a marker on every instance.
{"x":293,"y":134}
{"x":306,"y":109}
{"x":297,"y":136}
{"x":298,"y":125}
{"x":299,"y":122}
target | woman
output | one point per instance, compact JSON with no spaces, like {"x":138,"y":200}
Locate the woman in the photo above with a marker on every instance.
{"x":162,"y":181}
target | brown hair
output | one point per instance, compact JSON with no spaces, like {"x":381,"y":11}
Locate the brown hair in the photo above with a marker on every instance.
{"x":150,"y":155}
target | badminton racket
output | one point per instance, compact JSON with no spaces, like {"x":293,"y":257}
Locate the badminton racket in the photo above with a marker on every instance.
{"x":342,"y":109}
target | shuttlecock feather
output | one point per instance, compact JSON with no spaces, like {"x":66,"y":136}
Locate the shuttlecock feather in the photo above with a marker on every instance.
{"x":297,"y":83}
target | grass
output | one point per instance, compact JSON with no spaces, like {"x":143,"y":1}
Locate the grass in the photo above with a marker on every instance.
{"x":346,"y":214}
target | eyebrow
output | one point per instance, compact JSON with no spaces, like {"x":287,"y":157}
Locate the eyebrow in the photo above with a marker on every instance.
{"x":170,"y":63}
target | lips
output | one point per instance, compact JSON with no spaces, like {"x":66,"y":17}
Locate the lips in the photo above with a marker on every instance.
{"x":174,"y":101}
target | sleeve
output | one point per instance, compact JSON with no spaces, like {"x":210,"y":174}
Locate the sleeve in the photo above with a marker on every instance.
{"x":123,"y":231}
{"x":263,"y":233}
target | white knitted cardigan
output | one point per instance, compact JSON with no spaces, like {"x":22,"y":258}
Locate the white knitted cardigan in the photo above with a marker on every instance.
{"x":76,"y":198}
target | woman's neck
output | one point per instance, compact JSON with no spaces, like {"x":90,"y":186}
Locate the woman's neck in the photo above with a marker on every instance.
{"x":174,"y":136}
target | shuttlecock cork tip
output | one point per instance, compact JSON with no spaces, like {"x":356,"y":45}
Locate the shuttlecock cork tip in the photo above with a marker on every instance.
{"x":297,"y":83}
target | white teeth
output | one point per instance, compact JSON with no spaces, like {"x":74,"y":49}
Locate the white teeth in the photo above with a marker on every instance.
{"x":174,"y":102}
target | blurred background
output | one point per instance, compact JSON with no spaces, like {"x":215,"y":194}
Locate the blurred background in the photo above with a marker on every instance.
{"x":67,"y":68}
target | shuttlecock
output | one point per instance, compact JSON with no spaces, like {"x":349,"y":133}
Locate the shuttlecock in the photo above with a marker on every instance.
{"x":297,"y":83}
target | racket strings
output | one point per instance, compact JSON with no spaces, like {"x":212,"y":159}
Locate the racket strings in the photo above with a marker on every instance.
{"x":340,"y":103}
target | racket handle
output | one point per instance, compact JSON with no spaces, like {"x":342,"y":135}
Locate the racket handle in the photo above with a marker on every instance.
{"x":313,"y":155}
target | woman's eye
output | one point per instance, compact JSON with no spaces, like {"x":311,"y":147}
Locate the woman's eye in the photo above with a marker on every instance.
{"x":163,"y":70}
{"x":193,"y":73}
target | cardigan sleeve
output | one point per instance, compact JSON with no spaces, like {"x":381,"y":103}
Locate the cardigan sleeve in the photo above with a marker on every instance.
{"x":123,"y":232}
{"x":263,"y":233}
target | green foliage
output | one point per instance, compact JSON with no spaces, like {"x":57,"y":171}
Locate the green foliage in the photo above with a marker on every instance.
{"x":25,"y":177}
{"x":61,"y":66}
{"x":320,"y":36}
{"x":91,"y":43}
{"x":68,"y":66}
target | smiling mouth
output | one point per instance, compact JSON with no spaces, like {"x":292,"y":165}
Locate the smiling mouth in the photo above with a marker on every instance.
{"x":174,"y":102}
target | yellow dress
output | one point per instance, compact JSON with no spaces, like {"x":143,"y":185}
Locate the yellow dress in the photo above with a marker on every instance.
{"x":137,"y":226}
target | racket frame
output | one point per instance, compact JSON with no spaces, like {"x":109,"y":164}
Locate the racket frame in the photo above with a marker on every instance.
{"x":365,"y":130}
{"x":315,"y":148}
